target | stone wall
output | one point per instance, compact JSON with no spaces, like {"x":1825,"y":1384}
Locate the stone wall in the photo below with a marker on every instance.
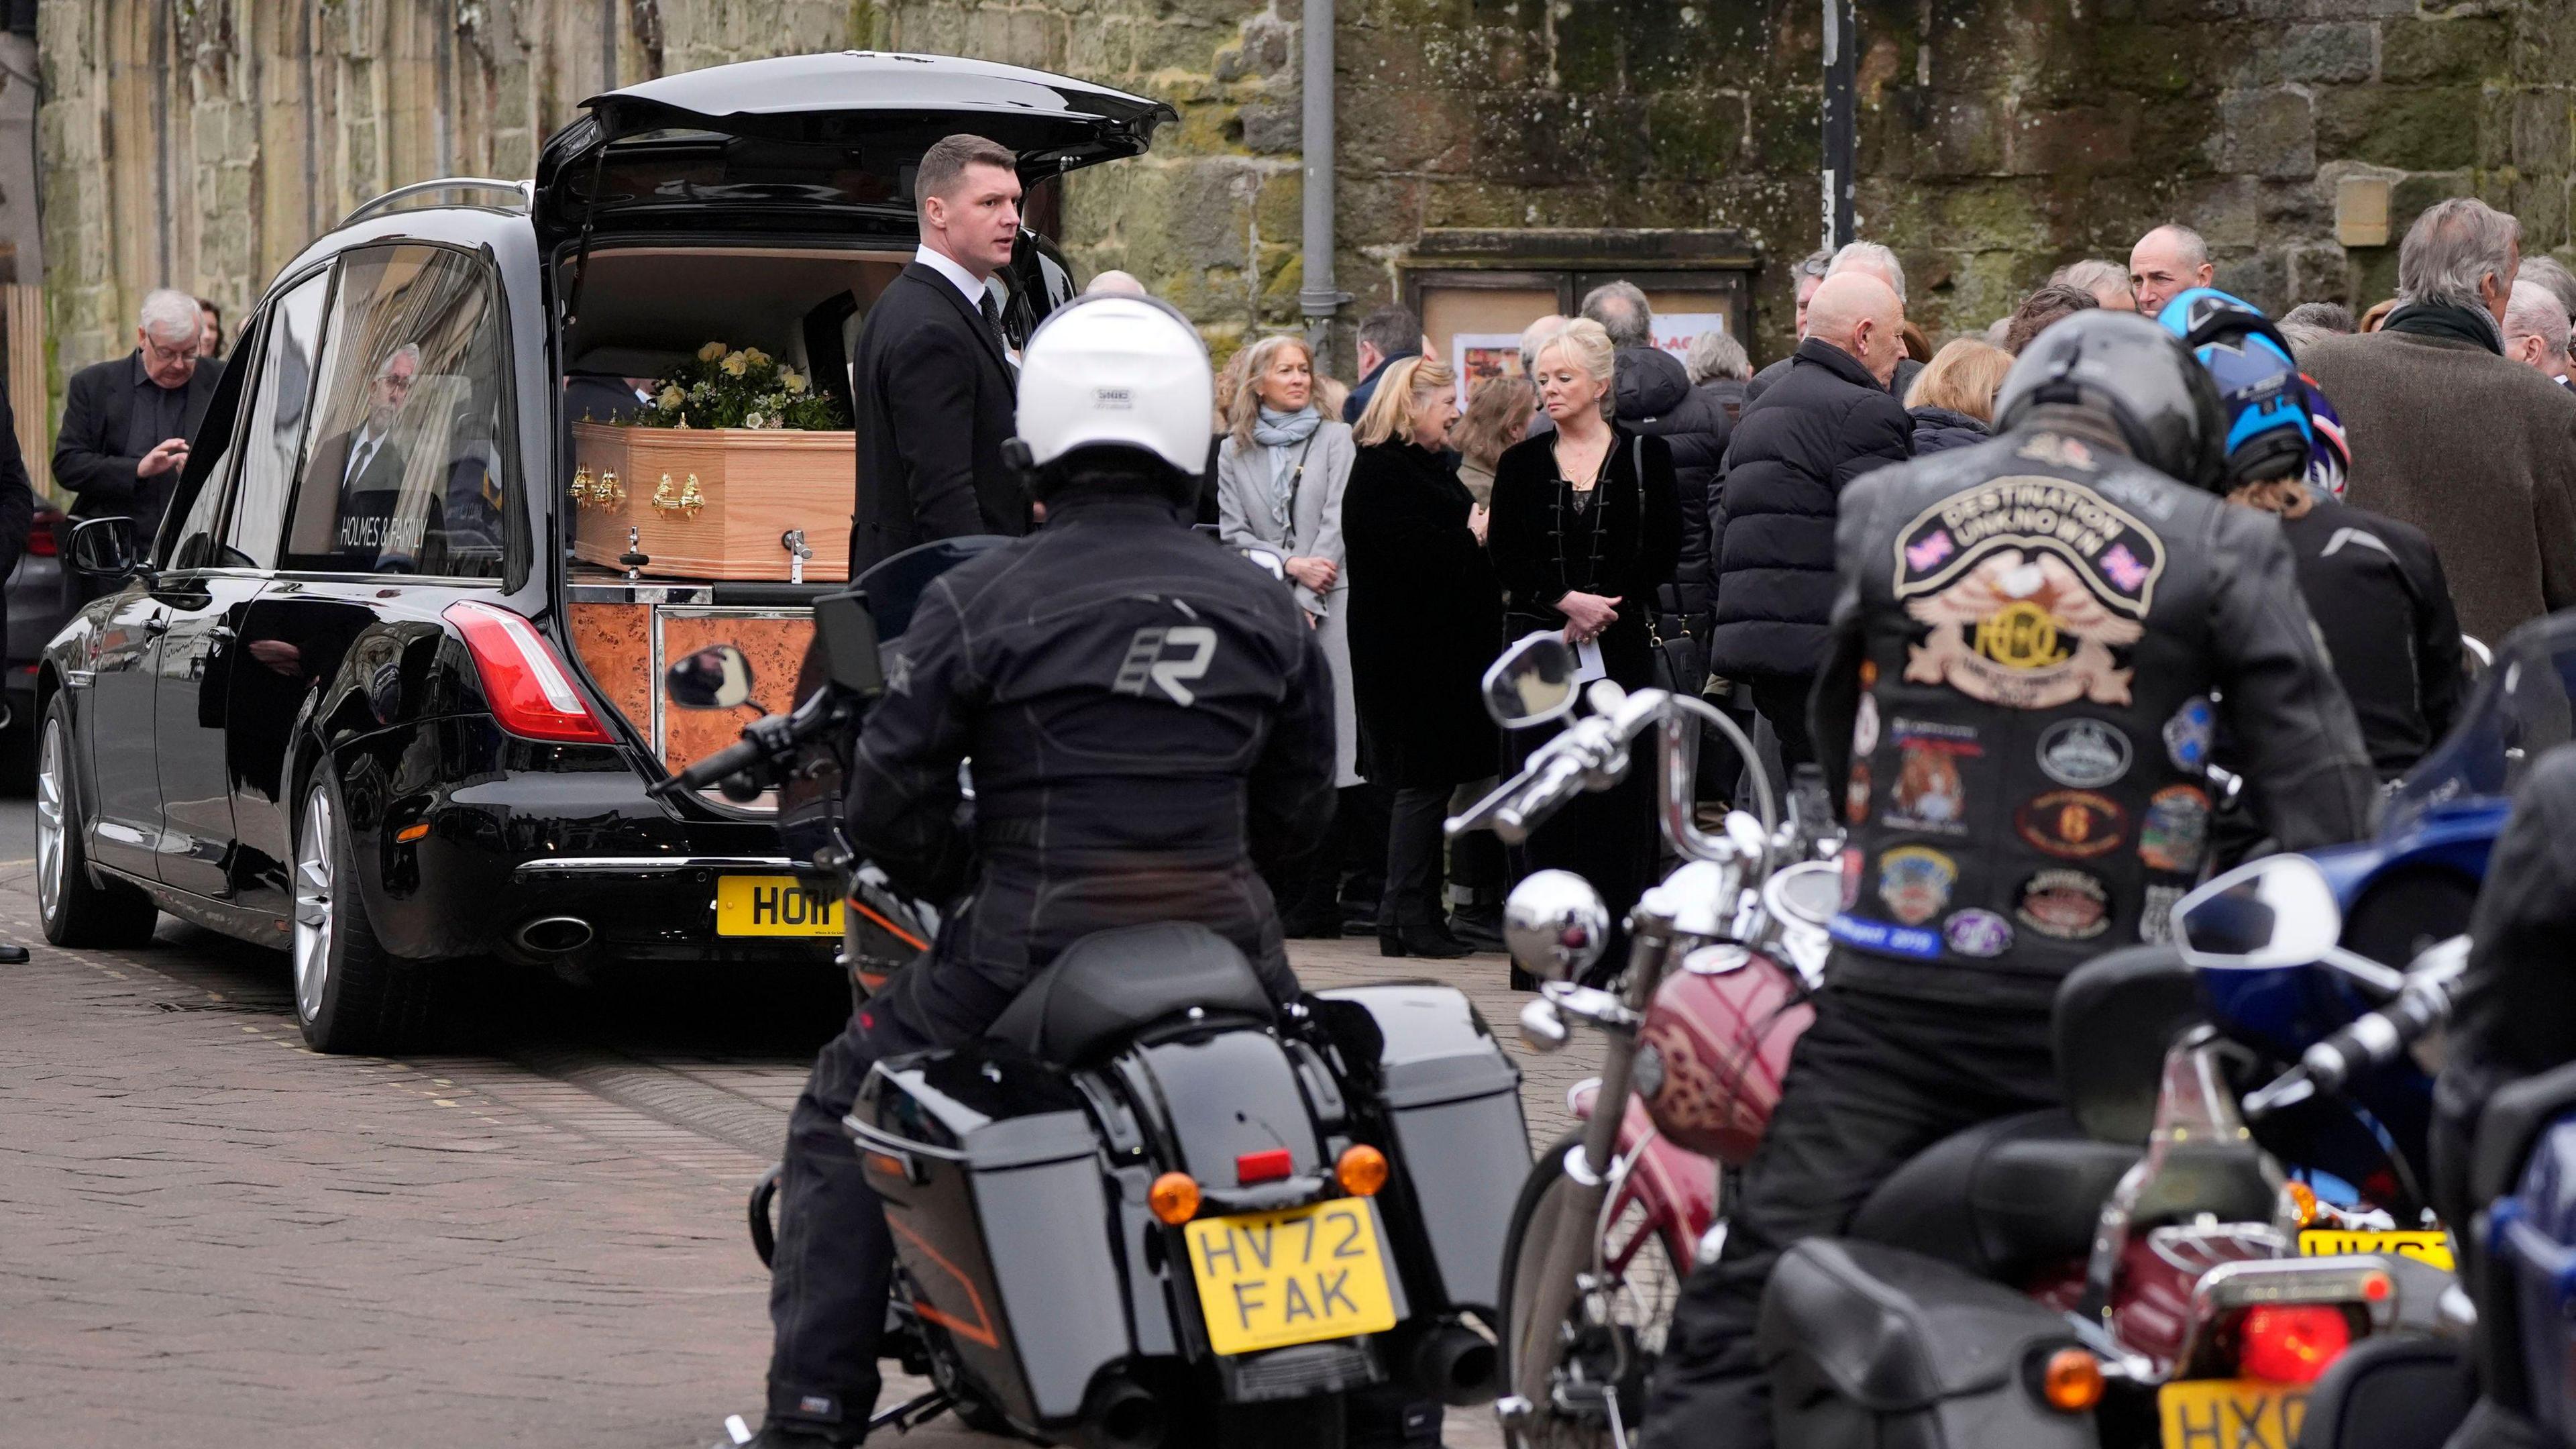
{"x":204,"y":141}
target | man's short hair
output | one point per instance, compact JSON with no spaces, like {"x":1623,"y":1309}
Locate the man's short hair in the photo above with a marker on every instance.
{"x":2452,"y":247}
{"x":1874,"y":259}
{"x":2535,"y":311}
{"x":1715,"y":354}
{"x":409,"y":350}
{"x":2092,"y":275}
{"x":2194,"y":250}
{"x":2553,"y":274}
{"x":169,"y":315}
{"x":2043,"y":309}
{"x":2323,"y":316}
{"x":1393,"y":330}
{"x":946,"y":162}
{"x":1813,"y":265}
{"x":1621,"y":310}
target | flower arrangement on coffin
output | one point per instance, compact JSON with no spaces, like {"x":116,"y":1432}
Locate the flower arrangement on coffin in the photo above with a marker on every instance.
{"x":737,"y":388}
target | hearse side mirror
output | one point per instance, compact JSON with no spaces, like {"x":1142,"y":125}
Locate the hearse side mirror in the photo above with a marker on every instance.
{"x":103,"y":548}
{"x":848,"y":633}
{"x":1532,"y":683}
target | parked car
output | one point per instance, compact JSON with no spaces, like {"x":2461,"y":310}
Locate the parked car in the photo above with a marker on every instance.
{"x":40,"y":596}
{"x":359,"y":699}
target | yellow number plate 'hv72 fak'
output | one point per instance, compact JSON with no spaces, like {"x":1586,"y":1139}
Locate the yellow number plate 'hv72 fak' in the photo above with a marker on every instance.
{"x":1267,"y":1280}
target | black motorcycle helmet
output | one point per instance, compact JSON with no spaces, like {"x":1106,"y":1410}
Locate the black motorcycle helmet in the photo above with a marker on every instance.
{"x":2135,"y":374}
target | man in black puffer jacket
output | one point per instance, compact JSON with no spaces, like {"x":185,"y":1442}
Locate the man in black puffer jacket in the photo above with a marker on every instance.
{"x":1655,"y":397}
{"x":1828,"y":420}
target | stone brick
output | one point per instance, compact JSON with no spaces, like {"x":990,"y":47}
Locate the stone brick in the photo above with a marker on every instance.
{"x":2316,"y":272}
{"x":2413,"y":51}
{"x":2259,"y":278}
{"x":2328,"y":53}
{"x":2266,"y":133}
{"x":2416,"y":128}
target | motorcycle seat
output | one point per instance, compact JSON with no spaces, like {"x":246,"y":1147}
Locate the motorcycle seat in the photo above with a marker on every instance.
{"x":2001,"y":1197}
{"x":1105,"y":988}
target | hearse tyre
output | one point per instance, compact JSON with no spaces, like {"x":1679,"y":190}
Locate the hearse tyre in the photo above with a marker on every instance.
{"x":351,"y":995}
{"x":76,"y":907}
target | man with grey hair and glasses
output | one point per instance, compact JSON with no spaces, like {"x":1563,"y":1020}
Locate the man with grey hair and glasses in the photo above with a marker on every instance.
{"x":2451,"y":435}
{"x":2535,"y":331}
{"x":126,"y":422}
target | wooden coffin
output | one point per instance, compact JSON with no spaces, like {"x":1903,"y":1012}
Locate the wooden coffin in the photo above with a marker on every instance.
{"x":713,"y":503}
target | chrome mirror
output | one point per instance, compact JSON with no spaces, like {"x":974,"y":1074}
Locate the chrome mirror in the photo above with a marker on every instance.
{"x":1555,"y":924}
{"x":1810,"y":892}
{"x":713,"y":678}
{"x":1532,"y":683}
{"x":2277,"y":911}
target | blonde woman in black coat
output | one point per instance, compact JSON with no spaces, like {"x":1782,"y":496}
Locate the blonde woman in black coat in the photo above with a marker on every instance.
{"x":1426,"y":619}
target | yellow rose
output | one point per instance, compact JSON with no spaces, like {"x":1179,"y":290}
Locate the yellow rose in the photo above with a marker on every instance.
{"x":793,"y":382}
{"x":669,"y":398}
{"x":755,"y":356}
{"x":711,"y":352}
{"x":734,"y":363}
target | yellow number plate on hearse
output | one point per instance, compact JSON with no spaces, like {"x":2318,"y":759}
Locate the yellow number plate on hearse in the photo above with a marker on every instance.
{"x":772,"y":905}
{"x":2231,"y":1414}
{"x":1267,"y":1280}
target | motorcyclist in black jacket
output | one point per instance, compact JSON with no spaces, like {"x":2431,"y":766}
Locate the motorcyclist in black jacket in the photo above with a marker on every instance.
{"x":1149,"y":722}
{"x":2018,"y":698}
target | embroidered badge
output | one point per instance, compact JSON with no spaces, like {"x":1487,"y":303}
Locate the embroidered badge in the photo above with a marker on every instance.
{"x":1977,"y":933}
{"x":1856,"y":793}
{"x":1930,"y":793}
{"x":2175,"y":833}
{"x":2155,"y":924}
{"x":1865,"y":727}
{"x":1914,"y":882}
{"x":1880,"y":936}
{"x":2075,"y":824}
{"x":2058,"y":451}
{"x":2084,"y":754}
{"x":2064,"y":905}
{"x":1850,"y":861}
{"x":2189,"y":732}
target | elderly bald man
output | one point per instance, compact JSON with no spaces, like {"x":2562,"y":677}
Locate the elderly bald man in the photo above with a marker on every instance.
{"x":1869,"y":259}
{"x":1828,"y":419}
{"x":2165,"y":263}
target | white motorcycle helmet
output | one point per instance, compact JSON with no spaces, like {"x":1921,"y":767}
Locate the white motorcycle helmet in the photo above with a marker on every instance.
{"x":1110,"y":372}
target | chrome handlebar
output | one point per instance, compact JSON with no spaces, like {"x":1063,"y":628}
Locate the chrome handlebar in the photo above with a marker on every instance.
{"x":1593,"y":754}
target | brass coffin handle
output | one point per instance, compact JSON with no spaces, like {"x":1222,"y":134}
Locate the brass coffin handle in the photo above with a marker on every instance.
{"x":581,"y":486}
{"x":687,"y":500}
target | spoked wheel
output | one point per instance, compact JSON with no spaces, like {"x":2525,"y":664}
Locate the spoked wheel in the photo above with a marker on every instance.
{"x":76,"y":909}
{"x":1612,"y":1335}
{"x":350,"y":994}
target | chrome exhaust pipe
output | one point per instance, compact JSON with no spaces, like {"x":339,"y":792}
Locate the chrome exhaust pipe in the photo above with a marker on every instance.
{"x":553,"y":935}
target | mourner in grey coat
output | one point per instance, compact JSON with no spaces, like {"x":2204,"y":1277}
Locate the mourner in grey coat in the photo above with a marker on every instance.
{"x":1283,"y":492}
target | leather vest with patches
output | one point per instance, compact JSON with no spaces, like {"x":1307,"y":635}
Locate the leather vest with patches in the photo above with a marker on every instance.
{"x":2027,"y":786}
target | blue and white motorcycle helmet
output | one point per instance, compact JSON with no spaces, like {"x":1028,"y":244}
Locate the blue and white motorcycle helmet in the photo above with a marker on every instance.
{"x":2271,"y":432}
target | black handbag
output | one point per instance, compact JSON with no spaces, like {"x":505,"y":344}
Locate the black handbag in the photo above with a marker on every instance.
{"x":1680,"y":661}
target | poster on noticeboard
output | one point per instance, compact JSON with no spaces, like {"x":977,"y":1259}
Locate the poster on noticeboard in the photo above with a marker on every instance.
{"x":1482,"y":355}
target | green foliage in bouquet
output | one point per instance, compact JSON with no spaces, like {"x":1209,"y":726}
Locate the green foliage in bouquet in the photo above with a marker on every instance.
{"x":737,"y":388}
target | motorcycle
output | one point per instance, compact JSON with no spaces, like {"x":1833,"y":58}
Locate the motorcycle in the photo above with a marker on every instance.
{"x":1151,"y":1206}
{"x":2138,"y":1271}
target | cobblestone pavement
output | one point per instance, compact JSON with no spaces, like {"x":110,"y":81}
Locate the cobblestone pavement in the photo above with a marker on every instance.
{"x":212,"y":1237}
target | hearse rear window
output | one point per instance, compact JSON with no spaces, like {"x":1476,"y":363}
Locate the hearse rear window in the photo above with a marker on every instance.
{"x":405,"y":466}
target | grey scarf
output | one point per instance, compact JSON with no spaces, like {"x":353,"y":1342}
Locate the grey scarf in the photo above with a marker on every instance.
{"x":1288,"y":436}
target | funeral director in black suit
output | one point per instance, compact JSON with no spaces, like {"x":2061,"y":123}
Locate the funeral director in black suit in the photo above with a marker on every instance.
{"x":935,"y":379}
{"x":126,"y":423}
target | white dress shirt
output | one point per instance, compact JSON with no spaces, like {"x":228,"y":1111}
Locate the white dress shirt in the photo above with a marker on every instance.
{"x":958,"y":277}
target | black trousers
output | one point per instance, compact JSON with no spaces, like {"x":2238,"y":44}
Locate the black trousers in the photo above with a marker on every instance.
{"x":1782,"y":699}
{"x":1874,"y":1081}
{"x":1413,"y":874}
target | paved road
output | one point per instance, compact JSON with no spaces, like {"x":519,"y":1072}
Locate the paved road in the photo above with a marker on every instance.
{"x":212,"y":1237}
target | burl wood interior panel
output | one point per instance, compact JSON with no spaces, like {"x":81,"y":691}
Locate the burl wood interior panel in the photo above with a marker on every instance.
{"x":774,"y":644}
{"x":615,"y":642}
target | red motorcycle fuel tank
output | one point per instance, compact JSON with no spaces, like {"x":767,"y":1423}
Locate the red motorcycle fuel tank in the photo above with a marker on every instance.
{"x":1714,"y":1047}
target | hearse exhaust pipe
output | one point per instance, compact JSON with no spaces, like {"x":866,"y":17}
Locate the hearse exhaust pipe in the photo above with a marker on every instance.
{"x":554,"y":936}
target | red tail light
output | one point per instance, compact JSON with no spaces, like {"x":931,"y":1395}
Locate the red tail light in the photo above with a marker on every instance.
{"x":2291,"y":1345}
{"x":1269,"y":1166}
{"x":40,"y":535}
{"x":531,"y":692}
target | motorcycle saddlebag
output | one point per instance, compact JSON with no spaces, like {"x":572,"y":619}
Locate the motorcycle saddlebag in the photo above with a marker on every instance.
{"x":1454,"y":1100}
{"x":989,"y":1171}
{"x":1872,"y":1347}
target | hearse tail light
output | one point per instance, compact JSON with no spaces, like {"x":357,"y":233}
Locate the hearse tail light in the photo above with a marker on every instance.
{"x":40,"y":535}
{"x":530,"y":691}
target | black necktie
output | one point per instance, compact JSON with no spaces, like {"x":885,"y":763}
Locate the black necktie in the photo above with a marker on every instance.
{"x":993,"y":320}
